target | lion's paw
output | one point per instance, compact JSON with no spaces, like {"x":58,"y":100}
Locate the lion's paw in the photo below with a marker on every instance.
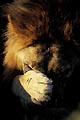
{"x":37,"y":85}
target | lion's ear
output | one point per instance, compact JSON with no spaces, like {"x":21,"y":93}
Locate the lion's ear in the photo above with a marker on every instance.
{"x":9,"y":18}
{"x":11,"y":26}
{"x":15,"y":30}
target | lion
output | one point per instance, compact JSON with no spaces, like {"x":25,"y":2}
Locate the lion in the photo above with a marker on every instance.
{"x":39,"y":58}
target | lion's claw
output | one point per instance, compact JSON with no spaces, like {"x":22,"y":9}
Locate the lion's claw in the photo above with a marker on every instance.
{"x":37,"y":85}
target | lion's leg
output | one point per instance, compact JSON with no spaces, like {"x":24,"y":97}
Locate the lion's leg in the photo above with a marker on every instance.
{"x":33,"y":82}
{"x":17,"y":88}
{"x":19,"y":91}
{"x":36,"y":84}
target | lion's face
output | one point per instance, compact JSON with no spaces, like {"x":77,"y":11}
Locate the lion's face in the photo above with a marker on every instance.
{"x":52,"y":59}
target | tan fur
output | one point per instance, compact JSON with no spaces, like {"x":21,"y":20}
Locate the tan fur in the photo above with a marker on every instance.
{"x":13,"y":45}
{"x":19,"y":38}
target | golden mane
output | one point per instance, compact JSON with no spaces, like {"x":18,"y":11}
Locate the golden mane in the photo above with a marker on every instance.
{"x":26,"y":23}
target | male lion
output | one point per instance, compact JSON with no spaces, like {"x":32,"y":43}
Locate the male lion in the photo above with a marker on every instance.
{"x":39,"y":56}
